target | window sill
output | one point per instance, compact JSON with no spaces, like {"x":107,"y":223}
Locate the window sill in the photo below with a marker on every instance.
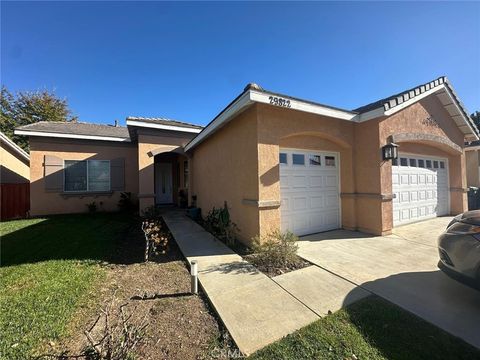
{"x":82,"y":194}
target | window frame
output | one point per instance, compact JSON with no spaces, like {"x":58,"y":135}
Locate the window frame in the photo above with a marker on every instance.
{"x":87,"y":173}
{"x":302,"y":155}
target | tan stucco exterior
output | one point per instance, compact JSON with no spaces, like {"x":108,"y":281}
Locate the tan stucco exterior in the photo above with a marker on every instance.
{"x":14,"y":168}
{"x":239,"y":163}
{"x":44,"y":202}
{"x":472,"y":165}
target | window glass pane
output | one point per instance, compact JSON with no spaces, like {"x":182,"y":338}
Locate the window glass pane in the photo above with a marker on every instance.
{"x":435,"y":164}
{"x":98,"y":175}
{"x":298,"y":159}
{"x":395,"y":162}
{"x":413,"y":162}
{"x":442,"y":165}
{"x":75,"y":175}
{"x":429,"y":163}
{"x":315,"y":160}
{"x":283,"y":158}
{"x":421,"y":163}
{"x":330,"y":160}
{"x":403,"y":162}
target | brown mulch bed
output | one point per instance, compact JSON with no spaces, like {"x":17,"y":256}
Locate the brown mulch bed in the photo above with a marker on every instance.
{"x":298,"y":264}
{"x":180,"y":325}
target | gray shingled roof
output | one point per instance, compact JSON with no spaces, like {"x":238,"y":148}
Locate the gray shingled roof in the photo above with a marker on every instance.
{"x":397,"y":99}
{"x":164,"y":121}
{"x":78,"y":128}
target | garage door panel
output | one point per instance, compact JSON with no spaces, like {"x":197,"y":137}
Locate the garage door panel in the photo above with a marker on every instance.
{"x":310,"y":193}
{"x":421,"y":190}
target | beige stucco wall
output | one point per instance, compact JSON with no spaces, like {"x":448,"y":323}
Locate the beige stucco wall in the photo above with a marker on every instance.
{"x":152,"y":142}
{"x":14,"y":163}
{"x":411,"y":120}
{"x":44,"y":202}
{"x":472,"y":168}
{"x":224,"y":168}
{"x":241,"y":162}
{"x":283,"y":128}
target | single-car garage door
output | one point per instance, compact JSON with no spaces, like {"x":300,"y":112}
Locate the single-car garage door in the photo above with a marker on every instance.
{"x":309,"y":185}
{"x":420,"y":185}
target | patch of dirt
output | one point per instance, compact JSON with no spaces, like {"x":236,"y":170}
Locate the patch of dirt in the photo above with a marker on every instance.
{"x":180,"y":325}
{"x":298,"y":264}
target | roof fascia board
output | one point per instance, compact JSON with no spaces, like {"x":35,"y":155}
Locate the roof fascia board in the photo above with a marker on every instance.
{"x":467,"y":122}
{"x":472,"y":148}
{"x":265,"y":98}
{"x":15,"y":147}
{"x":372,"y":114}
{"x":162,"y":127}
{"x":70,"y":136}
{"x":414,"y":100}
{"x":239,"y":105}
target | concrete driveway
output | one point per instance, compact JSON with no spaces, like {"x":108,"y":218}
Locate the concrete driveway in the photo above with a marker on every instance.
{"x":401,"y":268}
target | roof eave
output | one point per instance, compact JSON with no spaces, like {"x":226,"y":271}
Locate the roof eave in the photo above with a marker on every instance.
{"x":387,"y":110}
{"x":145,"y":124}
{"x":70,"y":136}
{"x":250,"y":97}
{"x":17,"y":149}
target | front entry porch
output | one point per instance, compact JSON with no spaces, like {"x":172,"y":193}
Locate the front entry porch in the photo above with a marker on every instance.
{"x":171,"y":179}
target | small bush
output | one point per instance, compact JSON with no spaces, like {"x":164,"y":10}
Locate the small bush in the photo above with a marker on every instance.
{"x":151,"y":212}
{"x":219,"y":224}
{"x":275,"y":250}
{"x":92,"y":207}
{"x":126,"y":202}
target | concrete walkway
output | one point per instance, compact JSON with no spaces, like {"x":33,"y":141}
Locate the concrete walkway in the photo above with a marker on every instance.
{"x":401,"y":268}
{"x":255,"y":309}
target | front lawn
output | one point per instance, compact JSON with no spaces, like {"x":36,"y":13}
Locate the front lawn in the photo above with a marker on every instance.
{"x":369,"y":329}
{"x":49,"y":269}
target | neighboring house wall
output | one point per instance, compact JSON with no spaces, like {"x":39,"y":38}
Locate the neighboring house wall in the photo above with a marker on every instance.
{"x":472,"y":167}
{"x":45,"y":201}
{"x":225,"y":169}
{"x":13,"y":169}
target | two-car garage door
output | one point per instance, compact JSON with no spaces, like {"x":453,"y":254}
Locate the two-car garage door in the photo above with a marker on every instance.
{"x":420,"y":185}
{"x":309,"y":185}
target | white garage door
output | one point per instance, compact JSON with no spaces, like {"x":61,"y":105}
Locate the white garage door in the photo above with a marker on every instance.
{"x":309,"y":186}
{"x":420,"y":185}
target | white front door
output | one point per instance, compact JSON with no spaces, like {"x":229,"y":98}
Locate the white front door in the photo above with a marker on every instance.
{"x":309,"y":186}
{"x":420,"y":185}
{"x":163,"y":183}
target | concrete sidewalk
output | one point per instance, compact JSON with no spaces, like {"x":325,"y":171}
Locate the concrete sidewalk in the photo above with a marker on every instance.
{"x":255,"y":309}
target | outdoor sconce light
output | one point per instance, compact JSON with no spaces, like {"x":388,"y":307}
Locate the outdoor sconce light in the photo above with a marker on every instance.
{"x":390,"y":151}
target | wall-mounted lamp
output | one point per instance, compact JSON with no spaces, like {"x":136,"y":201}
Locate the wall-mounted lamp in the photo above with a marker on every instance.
{"x":390,"y":151}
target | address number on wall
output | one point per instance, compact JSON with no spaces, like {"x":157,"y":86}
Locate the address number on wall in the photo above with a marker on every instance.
{"x":278,"y":101}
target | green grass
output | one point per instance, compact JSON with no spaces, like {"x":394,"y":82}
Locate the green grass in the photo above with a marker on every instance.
{"x":49,"y":267}
{"x":369,"y":329}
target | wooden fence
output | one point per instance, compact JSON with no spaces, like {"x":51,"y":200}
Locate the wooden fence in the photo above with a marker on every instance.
{"x":15,"y":201}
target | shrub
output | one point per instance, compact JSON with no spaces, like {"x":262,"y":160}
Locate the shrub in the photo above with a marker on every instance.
{"x":275,"y":250}
{"x":218,"y":223}
{"x":92,"y":207}
{"x":126,"y":202}
{"x":151,"y":212}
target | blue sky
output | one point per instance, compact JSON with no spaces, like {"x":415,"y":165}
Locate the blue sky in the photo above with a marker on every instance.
{"x":189,"y":60}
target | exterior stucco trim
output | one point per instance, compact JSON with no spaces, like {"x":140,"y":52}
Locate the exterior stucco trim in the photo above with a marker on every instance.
{"x":145,"y":196}
{"x":262,"y":204}
{"x":422,"y":137}
{"x":383,"y":197}
{"x":462,"y":190}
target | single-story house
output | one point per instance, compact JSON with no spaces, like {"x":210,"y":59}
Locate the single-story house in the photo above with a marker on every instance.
{"x":14,"y":179}
{"x":278,"y":161}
